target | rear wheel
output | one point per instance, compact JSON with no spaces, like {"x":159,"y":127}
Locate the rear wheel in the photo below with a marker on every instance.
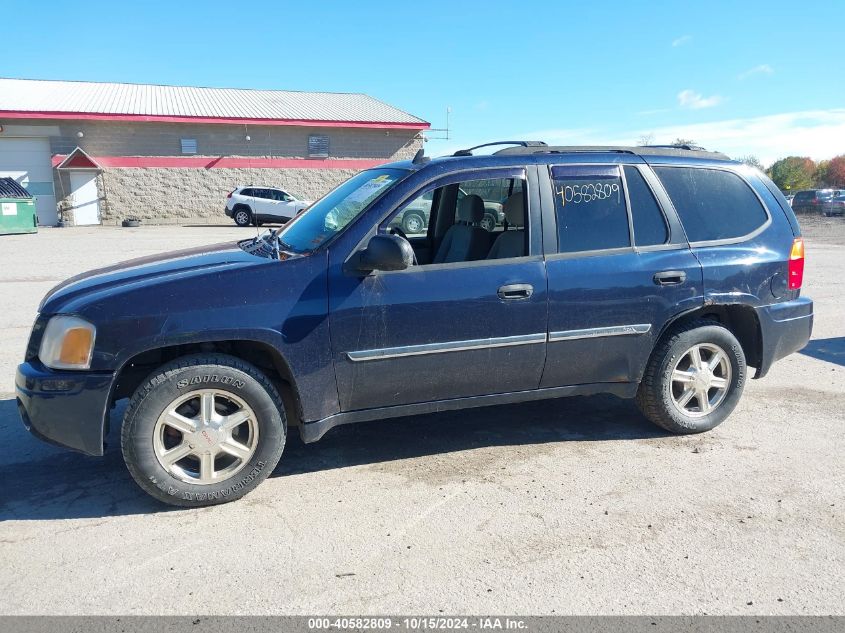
{"x":242,"y":217}
{"x":203,"y":430}
{"x":694,"y":379}
{"x":488,"y":223}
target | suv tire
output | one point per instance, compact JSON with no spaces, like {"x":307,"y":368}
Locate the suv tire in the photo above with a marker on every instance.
{"x":242,"y":216}
{"x":702,"y":357}
{"x":182,"y":409}
{"x":412,"y":223}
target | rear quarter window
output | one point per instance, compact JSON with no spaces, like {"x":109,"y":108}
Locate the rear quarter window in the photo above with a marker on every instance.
{"x":650,"y":227}
{"x":713,"y":204}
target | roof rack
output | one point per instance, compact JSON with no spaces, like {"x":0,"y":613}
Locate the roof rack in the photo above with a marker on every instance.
{"x":689,"y":151}
{"x":525,"y":144}
{"x":687,"y":146}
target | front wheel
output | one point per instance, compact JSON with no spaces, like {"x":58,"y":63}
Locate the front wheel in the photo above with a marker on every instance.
{"x":694,"y":379}
{"x":488,"y":223}
{"x":203,"y":430}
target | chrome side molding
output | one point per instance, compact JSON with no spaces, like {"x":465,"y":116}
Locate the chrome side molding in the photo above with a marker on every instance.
{"x":504,"y":341}
{"x":596,"y":332}
{"x":451,"y":346}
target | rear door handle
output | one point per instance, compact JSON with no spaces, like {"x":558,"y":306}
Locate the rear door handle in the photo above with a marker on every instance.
{"x":515,"y":291}
{"x":670,"y":278}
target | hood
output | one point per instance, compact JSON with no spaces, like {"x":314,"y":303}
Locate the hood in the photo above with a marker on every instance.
{"x":145,"y":271}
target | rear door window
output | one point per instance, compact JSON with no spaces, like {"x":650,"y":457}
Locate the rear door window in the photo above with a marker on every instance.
{"x":590,"y":206}
{"x":650,"y":228}
{"x":713,"y":204}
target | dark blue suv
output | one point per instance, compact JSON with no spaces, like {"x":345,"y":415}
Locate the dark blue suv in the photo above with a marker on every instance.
{"x":659,"y":273}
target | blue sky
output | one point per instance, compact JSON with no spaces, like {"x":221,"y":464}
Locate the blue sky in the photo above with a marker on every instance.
{"x":763,"y":78}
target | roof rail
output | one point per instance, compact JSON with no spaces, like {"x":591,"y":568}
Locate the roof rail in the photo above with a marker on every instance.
{"x":468,"y":151}
{"x":567,"y":149}
{"x":687,"y":146}
{"x":689,"y":151}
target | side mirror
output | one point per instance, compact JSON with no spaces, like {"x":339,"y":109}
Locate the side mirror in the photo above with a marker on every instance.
{"x":385,"y":252}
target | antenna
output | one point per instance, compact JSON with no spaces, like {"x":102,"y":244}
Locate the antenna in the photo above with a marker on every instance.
{"x":446,"y":130}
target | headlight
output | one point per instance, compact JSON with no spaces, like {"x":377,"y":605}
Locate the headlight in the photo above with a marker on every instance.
{"x":67,"y":343}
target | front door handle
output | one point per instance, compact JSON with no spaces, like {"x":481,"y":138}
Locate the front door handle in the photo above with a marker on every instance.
{"x":516,"y":291}
{"x":670,"y":278}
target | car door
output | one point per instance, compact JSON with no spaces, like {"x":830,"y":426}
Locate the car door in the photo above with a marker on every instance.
{"x":287,"y":205}
{"x":440,"y":331}
{"x":270,"y":201}
{"x":621,"y":269}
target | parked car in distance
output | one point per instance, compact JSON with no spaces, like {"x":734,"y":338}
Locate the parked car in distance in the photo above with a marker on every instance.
{"x":834,"y":207}
{"x":789,"y":197}
{"x":255,"y":205}
{"x":415,"y":218}
{"x":656,"y":273}
{"x":811,"y":200}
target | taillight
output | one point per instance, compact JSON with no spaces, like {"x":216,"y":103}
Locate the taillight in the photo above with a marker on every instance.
{"x":795,"y":269}
{"x":230,"y":193}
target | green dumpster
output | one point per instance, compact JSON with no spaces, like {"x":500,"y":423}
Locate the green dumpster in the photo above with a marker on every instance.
{"x":17,"y":209}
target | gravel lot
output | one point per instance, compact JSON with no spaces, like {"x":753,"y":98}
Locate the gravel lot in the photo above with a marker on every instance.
{"x":567,"y":506}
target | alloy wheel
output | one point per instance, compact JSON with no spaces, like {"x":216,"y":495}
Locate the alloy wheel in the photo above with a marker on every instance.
{"x":205,"y":436}
{"x":700,"y":380}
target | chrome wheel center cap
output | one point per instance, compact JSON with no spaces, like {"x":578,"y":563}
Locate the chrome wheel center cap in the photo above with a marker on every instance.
{"x":206,"y":440}
{"x":703,"y":379}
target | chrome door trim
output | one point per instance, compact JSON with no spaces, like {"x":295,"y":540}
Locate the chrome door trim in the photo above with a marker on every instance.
{"x":451,"y":346}
{"x":596,"y":332}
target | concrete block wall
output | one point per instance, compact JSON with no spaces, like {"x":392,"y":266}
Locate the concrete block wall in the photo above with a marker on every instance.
{"x":181,"y":195}
{"x":167,"y":196}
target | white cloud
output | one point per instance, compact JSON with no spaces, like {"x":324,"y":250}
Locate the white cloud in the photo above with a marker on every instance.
{"x":762,"y":69}
{"x":680,"y":41}
{"x":695,"y":101}
{"x":814,"y":133}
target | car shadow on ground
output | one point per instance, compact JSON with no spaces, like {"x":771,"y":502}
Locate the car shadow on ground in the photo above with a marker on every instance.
{"x":831,"y":350}
{"x":40,"y":481}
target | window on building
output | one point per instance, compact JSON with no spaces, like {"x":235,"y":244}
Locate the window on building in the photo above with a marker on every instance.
{"x":713,"y":204}
{"x":591,"y":211}
{"x":318,"y":146}
{"x":189,"y":145}
{"x":649,"y":223}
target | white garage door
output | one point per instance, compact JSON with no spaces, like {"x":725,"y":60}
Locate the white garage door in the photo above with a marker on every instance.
{"x":27,"y":160}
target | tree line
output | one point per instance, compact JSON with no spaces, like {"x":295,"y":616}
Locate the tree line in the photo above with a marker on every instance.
{"x":792,"y":173}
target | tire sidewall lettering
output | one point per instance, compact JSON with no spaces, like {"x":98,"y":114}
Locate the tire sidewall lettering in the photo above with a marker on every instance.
{"x":210,"y":495}
{"x":226,"y":381}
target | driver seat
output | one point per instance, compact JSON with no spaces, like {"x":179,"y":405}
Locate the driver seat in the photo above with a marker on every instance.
{"x":464,"y":241}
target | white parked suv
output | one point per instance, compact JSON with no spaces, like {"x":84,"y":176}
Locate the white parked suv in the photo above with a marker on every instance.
{"x":255,"y":205}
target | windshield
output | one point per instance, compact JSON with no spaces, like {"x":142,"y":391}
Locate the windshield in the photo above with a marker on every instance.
{"x":330,"y":214}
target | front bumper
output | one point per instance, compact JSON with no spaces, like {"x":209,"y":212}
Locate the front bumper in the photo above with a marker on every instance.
{"x":784,"y":328}
{"x":65,"y":408}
